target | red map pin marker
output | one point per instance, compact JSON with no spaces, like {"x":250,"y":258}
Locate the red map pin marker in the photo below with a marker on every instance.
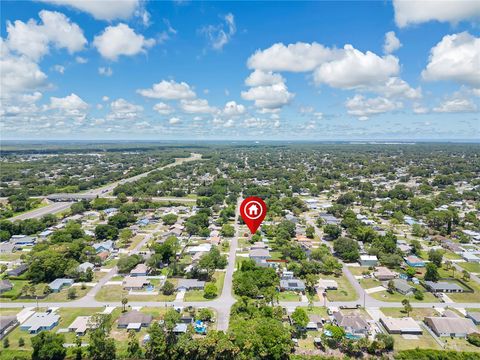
{"x":253,"y":211}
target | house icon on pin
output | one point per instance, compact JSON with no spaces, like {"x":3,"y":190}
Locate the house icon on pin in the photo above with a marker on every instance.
{"x":253,"y":210}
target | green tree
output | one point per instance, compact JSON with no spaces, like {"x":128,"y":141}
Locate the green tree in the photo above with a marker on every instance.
{"x":204,"y":314}
{"x":170,"y":219}
{"x":332,"y":231}
{"x":171,"y":318}
{"x":210,"y":291}
{"x":21,"y":342}
{"x":227,"y":230}
{"x":156,"y":347}
{"x":124,"y":304}
{"x":72,"y":293}
{"x":466,"y":275}
{"x":48,"y":346}
{"x":435,"y":256}
{"x":168,"y":288}
{"x":406,"y":306}
{"x":431,"y":273}
{"x":100,"y":345}
{"x":347,"y":249}
{"x":300,"y":318}
{"x":310,"y":232}
{"x":6,"y":343}
{"x":133,"y":347}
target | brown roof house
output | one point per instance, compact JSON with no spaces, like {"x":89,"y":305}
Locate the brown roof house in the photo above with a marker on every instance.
{"x":135,"y":282}
{"x":353,"y":324}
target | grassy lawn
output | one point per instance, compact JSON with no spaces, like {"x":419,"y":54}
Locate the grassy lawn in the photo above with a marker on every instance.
{"x":470,"y":267}
{"x":345,"y":291}
{"x":317,"y":310}
{"x":197,"y":295}
{"x":110,"y":293}
{"x":425,"y":341}
{"x":459,"y":345}
{"x":358,"y":270}
{"x":369,"y":283}
{"x":135,"y":241}
{"x":17,"y":288}
{"x":63,"y":294}
{"x":416,"y":313}
{"x":462,"y":297}
{"x":451,"y":255}
{"x":11,"y":257}
{"x":288,"y":296}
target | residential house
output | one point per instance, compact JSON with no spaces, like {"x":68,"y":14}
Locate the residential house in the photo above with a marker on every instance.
{"x":135,"y":282}
{"x":5,"y":285}
{"x":443,"y":287}
{"x":414,"y":261}
{"x":134,"y":320}
{"x":23,"y":240}
{"x":19,"y":270}
{"x":80,"y":325}
{"x":106,"y":245}
{"x":451,"y":326}
{"x":406,"y":325}
{"x":190,"y":284}
{"x":83,"y":267}
{"x":383,"y":273}
{"x":58,"y":284}
{"x":139,"y":270}
{"x":470,"y":257}
{"x":45,"y":234}
{"x":474,"y":316}
{"x":403,"y":287}
{"x":7,"y":323}
{"x":40,"y":321}
{"x":327,"y":284}
{"x":368,"y":260}
{"x":330,"y":219}
{"x":260,"y":256}
{"x":292,"y":285}
{"x":353,"y":324}
{"x":315,"y":322}
{"x":199,"y":248}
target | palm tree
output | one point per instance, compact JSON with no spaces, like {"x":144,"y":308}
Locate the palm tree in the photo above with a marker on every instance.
{"x":124,"y":303}
{"x":466,"y":275}
{"x":406,"y":306}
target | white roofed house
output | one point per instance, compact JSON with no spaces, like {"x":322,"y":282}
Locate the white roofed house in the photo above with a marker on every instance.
{"x":368,"y":260}
{"x":85,"y":266}
{"x":406,"y":325}
{"x":40,"y":321}
{"x":81,"y":324}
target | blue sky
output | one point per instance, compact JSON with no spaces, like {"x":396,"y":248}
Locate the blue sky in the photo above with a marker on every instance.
{"x":189,"y":70}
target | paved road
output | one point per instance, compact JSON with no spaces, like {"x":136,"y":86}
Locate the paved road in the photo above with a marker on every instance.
{"x":53,"y":208}
{"x":102,"y":192}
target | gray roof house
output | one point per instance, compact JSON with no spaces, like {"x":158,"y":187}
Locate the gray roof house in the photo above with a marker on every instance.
{"x":353,"y":324}
{"x":40,"y":321}
{"x":58,"y":284}
{"x":85,"y":266}
{"x":7,"y":323}
{"x":292,"y":285}
{"x":5,"y":285}
{"x":443,"y":286}
{"x":474,"y":316}
{"x":19,"y":270}
{"x":451,"y":326}
{"x":403,"y":287}
{"x":260,"y":256}
{"x":190,"y":284}
{"x":134,"y":320}
{"x":139,"y":270}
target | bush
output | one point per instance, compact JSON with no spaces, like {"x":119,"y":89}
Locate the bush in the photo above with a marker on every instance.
{"x":168,"y":288}
{"x":418,"y":295}
{"x":474,"y":339}
{"x":211,"y":291}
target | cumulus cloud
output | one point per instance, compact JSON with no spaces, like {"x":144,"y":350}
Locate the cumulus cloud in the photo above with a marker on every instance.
{"x":71,"y":106}
{"x":59,"y":68}
{"x":174,"y":120}
{"x":121,"y":40}
{"x":105,"y":71}
{"x":121,"y":109}
{"x":365,"y":107}
{"x":356,"y":69}
{"x":271,"y":97}
{"x":196,"y":106}
{"x":19,"y":73}
{"x":298,"y":57}
{"x":396,"y":87}
{"x":456,"y":57}
{"x":456,"y":104}
{"x":391,"y":43}
{"x":233,"y":109}
{"x":409,"y":12}
{"x":261,"y":78}
{"x":162,"y":108}
{"x":169,"y":90}
{"x":220,"y":35}
{"x":102,"y":10}
{"x":33,"y":40}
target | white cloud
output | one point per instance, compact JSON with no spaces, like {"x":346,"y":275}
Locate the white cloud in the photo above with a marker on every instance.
{"x":71,"y":106}
{"x":81,"y":60}
{"x":419,"y":109}
{"x":121,"y":109}
{"x":105,"y":98}
{"x":261,"y":78}
{"x":409,"y":12}
{"x":59,"y":68}
{"x":105,"y":71}
{"x":456,"y":57}
{"x":102,"y":10}
{"x":269,"y":97}
{"x":298,"y":57}
{"x":121,"y":40}
{"x":169,"y":90}
{"x":355,"y":69}
{"x":391,"y":43}
{"x":456,"y":104}
{"x":174,"y":120}
{"x":19,"y":73}
{"x":220,"y":35}
{"x":396,"y":87}
{"x":33,"y":40}
{"x":162,"y":108}
{"x":365,"y":107}
{"x":233,"y":109}
{"x":196,"y":106}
